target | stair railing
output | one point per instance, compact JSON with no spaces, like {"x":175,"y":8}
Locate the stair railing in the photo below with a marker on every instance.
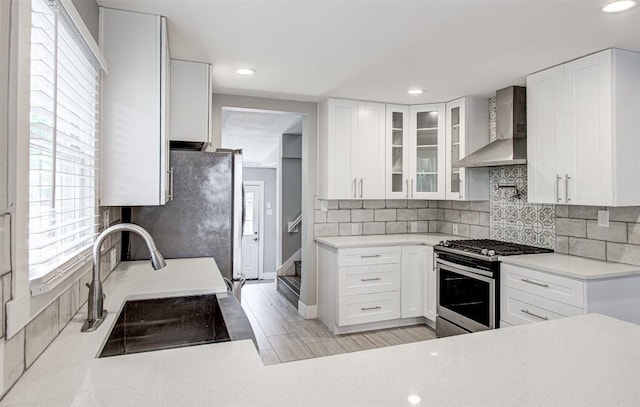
{"x":293,"y":227}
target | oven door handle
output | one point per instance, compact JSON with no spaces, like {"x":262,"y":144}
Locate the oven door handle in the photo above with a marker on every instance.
{"x":466,"y":269}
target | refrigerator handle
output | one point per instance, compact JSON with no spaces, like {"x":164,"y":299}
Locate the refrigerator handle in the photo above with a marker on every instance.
{"x":243,"y":213}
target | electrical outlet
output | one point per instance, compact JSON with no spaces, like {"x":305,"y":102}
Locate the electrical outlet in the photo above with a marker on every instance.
{"x":603,"y":219}
{"x":354,"y":229}
{"x":323,"y":206}
{"x":113,"y":258}
{"x":413,"y":227}
{"x":455,"y":229}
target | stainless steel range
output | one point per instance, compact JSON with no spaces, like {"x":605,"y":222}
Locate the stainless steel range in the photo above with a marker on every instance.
{"x":468,"y":283}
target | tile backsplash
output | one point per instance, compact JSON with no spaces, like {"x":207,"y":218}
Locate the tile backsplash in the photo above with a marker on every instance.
{"x":512,"y":218}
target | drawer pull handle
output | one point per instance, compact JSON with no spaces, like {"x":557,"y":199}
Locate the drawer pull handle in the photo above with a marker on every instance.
{"x":370,"y":308}
{"x":526,"y":311}
{"x":534,"y":283}
{"x":371,"y":279}
{"x":370,"y":255}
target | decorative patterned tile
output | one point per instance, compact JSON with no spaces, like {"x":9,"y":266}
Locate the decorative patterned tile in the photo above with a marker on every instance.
{"x":514,"y":219}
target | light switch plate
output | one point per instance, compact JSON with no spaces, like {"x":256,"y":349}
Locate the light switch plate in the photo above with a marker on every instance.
{"x":603,"y":219}
{"x":268,"y":205}
{"x":455,"y":229}
{"x":269,"y":212}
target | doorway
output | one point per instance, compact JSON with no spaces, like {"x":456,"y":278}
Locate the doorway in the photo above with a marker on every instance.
{"x":253,"y":232}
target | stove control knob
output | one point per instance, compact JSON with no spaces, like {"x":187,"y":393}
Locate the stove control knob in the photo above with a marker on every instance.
{"x":484,"y":252}
{"x":445,"y":243}
{"x":491,"y":253}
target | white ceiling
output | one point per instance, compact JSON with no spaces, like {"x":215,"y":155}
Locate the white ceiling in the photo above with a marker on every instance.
{"x":257,"y":133}
{"x":376,"y":50}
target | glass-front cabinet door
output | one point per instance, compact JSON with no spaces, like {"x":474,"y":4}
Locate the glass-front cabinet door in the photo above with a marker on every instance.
{"x":427,"y":160}
{"x":455,"y":177}
{"x":397,"y":156}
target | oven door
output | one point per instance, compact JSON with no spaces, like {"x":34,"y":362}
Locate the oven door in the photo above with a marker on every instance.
{"x":466,"y":296}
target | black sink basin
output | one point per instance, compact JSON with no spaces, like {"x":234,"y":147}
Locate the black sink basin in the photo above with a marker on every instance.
{"x":147,"y":325}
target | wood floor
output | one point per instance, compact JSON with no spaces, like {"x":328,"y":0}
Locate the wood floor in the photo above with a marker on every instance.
{"x":284,"y":336}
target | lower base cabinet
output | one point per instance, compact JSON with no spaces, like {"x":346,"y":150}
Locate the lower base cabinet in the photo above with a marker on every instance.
{"x":369,"y":288}
{"x":528,"y":295}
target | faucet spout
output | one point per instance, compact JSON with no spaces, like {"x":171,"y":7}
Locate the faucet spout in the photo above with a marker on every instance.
{"x":96,"y":312}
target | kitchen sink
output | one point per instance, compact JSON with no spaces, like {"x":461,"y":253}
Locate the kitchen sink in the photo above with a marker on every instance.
{"x":164,"y":323}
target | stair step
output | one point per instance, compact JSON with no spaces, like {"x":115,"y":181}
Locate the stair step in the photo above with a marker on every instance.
{"x":289,"y":287}
{"x":298,"y":266}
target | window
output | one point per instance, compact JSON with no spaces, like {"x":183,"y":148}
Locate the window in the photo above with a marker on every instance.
{"x":63,"y":144}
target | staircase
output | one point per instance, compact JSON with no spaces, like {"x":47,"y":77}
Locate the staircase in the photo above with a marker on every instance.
{"x":289,"y":286}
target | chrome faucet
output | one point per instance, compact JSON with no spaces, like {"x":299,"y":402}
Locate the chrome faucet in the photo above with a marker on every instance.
{"x":96,"y":312}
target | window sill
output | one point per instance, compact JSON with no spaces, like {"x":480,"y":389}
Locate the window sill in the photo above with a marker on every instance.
{"x":49,"y":282}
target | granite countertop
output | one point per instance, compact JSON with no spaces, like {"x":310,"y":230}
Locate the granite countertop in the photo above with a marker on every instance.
{"x":341,"y":242}
{"x":588,"y":360}
{"x":572,"y":266}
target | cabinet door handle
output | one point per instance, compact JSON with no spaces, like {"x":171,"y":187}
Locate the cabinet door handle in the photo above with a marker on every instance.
{"x":366,"y":256}
{"x":170,"y":196}
{"x":361,"y":186}
{"x":526,"y":311}
{"x":526,"y":280}
{"x":460,"y":194}
{"x":407,"y":186}
{"x":371,"y":279}
{"x":354,"y":187}
{"x":411,"y":187}
{"x":370,"y":308}
{"x":558,"y":178}
{"x":566,"y":187}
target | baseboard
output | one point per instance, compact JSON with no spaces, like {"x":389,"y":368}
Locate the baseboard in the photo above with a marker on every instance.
{"x":288,"y":268}
{"x":307,"y":311}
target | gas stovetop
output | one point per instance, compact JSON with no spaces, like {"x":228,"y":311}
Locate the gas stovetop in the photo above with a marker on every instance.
{"x":489,"y":248}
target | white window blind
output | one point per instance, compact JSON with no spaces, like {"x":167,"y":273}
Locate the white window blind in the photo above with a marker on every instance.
{"x":63,"y":213}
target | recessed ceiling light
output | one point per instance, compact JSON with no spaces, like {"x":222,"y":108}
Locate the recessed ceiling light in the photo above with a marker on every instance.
{"x":618,"y":6}
{"x":415,"y":91}
{"x":245,"y":71}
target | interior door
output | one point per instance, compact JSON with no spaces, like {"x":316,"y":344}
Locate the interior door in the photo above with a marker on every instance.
{"x":251,"y":236}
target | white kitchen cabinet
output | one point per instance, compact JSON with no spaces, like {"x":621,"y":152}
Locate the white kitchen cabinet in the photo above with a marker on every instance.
{"x":581,"y":137}
{"x":430,"y":288}
{"x":351,"y":150}
{"x":135,"y":109}
{"x":414,"y":272}
{"x":191,"y":94}
{"x":397,"y":152}
{"x":376,"y":287}
{"x":530,"y":295}
{"x":467,"y":125}
{"x":427,"y":151}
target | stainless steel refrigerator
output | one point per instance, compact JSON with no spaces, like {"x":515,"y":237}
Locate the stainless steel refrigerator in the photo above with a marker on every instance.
{"x":205,"y":216}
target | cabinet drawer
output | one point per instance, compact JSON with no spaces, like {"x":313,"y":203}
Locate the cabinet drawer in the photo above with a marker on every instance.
{"x":361,"y":309}
{"x":369,"y":255}
{"x":368,"y":279}
{"x":561,"y":289}
{"x":519,"y":307}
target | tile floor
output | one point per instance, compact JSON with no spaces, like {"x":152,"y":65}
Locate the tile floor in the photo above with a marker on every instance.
{"x":284,"y":336}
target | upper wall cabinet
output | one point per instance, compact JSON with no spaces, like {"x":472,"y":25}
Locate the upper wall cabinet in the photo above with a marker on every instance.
{"x":397,"y":152}
{"x":427,"y":151}
{"x":582,"y":129}
{"x":191,"y":102}
{"x":135,"y":109}
{"x":351,"y":160}
{"x":467,"y":131}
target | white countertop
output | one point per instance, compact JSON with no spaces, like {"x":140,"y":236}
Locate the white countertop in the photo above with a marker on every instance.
{"x":589,"y":360}
{"x":341,"y":242}
{"x":572,"y":266}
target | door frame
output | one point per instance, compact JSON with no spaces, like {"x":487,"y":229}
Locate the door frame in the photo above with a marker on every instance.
{"x":260,"y":185}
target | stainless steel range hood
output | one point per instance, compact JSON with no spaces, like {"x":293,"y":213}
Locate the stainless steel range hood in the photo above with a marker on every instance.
{"x":510,"y":147}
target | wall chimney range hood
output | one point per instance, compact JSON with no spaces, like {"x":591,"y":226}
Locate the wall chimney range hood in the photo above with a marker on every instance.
{"x":510,"y":146}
